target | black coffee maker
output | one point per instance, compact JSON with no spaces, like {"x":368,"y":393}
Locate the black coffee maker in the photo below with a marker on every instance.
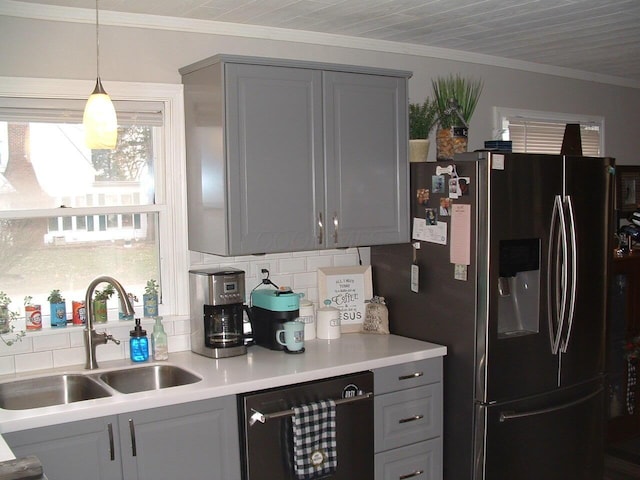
{"x":217,"y":312}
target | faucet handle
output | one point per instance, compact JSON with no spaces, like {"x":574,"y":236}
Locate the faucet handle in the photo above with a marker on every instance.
{"x":113,"y":339}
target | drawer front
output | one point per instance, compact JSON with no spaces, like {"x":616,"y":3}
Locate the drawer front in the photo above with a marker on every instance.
{"x":408,"y":416}
{"x":407,"y":375}
{"x":420,"y":461}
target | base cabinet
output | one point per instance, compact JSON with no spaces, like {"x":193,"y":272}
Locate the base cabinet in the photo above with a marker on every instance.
{"x":408,"y":421}
{"x":86,"y":449}
{"x":193,"y":440}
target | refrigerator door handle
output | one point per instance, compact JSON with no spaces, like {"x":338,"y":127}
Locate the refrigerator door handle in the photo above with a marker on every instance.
{"x":557,"y":275}
{"x":574,"y":273}
{"x":511,"y":415}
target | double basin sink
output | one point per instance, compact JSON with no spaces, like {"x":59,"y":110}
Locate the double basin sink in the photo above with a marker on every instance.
{"x":76,"y":387}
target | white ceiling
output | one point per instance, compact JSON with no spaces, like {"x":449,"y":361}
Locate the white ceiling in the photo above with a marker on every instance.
{"x":597,"y":36}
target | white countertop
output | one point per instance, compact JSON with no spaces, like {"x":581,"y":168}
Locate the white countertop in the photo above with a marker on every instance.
{"x":259,"y":369}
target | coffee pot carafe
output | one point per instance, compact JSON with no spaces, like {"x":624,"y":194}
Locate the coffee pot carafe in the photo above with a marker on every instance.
{"x":217,"y":312}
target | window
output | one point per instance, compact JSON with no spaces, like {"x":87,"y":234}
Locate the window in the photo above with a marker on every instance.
{"x":542,"y":132}
{"x":69,"y":214}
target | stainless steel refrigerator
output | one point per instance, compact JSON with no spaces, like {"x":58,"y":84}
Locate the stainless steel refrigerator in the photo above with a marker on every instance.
{"x":523,"y":375}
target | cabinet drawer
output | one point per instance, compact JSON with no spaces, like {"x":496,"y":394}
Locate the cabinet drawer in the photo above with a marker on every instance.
{"x":408,"y":416}
{"x":408,"y":375}
{"x":420,"y":461}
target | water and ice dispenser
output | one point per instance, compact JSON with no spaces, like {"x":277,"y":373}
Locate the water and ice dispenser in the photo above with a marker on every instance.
{"x":519,"y":287}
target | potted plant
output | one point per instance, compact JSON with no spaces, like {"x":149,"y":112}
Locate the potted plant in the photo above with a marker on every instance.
{"x":58,"y":309}
{"x":7,"y":317}
{"x":100,"y":303}
{"x":456,"y":99}
{"x":132,"y":299}
{"x":422,"y":118}
{"x":32,"y":314}
{"x":150,"y":299}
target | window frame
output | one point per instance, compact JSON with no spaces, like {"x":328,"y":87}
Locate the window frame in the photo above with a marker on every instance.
{"x":170,"y":188}
{"x":499,"y":113}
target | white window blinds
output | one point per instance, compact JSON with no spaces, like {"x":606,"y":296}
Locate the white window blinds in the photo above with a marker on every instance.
{"x":538,"y":136}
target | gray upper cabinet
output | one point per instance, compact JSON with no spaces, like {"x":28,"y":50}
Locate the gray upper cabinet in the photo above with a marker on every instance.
{"x":288,"y":156}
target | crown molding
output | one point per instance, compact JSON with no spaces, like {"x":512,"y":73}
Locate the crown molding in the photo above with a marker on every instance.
{"x":14,"y":8}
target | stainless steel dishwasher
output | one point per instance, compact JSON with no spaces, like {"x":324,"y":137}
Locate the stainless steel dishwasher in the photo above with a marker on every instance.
{"x":266,"y":427}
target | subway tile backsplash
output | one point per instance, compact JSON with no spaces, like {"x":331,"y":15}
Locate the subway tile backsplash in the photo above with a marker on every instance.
{"x":65,"y":347}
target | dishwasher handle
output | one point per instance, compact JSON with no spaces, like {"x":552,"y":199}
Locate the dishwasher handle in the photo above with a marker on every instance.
{"x":263,"y":417}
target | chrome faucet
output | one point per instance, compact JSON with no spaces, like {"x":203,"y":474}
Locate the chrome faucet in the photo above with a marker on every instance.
{"x":91,"y":337}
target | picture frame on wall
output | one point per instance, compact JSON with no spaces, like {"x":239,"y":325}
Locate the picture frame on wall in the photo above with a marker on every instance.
{"x":347,"y":288}
{"x":627,"y":188}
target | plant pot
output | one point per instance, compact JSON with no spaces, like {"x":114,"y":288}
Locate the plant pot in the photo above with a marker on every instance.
{"x":450,"y":141}
{"x":33,"y":317}
{"x":150,"y":304}
{"x":100,"y":311}
{"x":418,"y":150}
{"x":58,"y":314}
{"x":5,"y":319}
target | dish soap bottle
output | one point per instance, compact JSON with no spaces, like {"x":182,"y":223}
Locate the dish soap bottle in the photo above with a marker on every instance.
{"x":159,"y":343}
{"x":139,"y":343}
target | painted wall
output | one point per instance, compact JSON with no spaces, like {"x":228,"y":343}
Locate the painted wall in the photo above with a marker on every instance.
{"x":36,"y":48}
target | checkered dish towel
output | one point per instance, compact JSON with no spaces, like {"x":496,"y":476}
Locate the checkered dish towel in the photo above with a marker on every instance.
{"x":314,"y":439}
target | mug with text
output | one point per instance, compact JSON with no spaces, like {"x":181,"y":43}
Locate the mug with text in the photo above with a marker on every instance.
{"x":291,"y":336}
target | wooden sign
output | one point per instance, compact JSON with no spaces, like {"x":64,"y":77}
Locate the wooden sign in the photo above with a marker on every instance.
{"x":347,"y":288}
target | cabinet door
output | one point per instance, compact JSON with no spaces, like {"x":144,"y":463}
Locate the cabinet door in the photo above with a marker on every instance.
{"x":274,"y":158}
{"x":193,"y":440}
{"x":366,"y":159}
{"x":87,"y":449}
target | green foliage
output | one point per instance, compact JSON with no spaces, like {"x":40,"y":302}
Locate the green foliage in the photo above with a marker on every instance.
{"x":104,"y":294}
{"x":55,"y":297}
{"x":128,"y":160}
{"x":151,"y":288}
{"x":12,"y":316}
{"x":464,"y":91}
{"x":4,"y":298}
{"x":422,"y":118}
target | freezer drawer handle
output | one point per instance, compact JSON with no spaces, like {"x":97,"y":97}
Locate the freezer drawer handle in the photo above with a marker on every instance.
{"x":411,"y":419}
{"x":413,"y":375}
{"x":511,"y":415}
{"x":263,"y":417}
{"x":411,"y":475}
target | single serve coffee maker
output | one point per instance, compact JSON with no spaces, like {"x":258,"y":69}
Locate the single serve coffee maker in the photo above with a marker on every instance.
{"x":217,"y":312}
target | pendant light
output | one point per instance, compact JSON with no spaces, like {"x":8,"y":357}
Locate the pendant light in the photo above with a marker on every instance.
{"x":99,"y":120}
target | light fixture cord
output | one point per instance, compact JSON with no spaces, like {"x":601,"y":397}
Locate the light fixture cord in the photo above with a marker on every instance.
{"x":97,"y":42}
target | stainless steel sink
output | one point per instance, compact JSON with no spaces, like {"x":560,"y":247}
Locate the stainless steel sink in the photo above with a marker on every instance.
{"x":48,"y":391}
{"x":151,"y":377}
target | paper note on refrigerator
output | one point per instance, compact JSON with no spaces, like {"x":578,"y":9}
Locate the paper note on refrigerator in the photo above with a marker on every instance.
{"x":460,"y":252}
{"x":429,"y":233}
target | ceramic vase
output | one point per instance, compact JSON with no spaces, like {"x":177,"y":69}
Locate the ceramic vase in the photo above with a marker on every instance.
{"x":418,"y":150}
